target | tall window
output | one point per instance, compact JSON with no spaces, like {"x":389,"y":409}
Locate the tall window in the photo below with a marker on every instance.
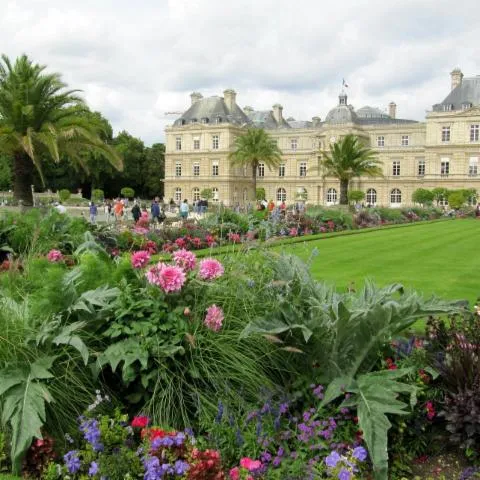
{"x":261,"y":170}
{"x":405,"y":140}
{"x":215,"y":142}
{"x":293,"y":143}
{"x":421,"y":168}
{"x":196,"y":194}
{"x":245,"y":171}
{"x":395,"y":196}
{"x":381,"y":141}
{"x":445,"y":166}
{"x":245,"y":195}
{"x":473,"y":166}
{"x":215,"y":168}
{"x":216,"y":196}
{"x":474,"y":133}
{"x":303,"y":169}
{"x":196,"y":169}
{"x":331,"y":196}
{"x":443,"y":201}
{"x":178,"y":194}
{"x":281,"y":170}
{"x":281,"y":195}
{"x":178,"y":143}
{"x":396,"y":168}
{"x":235,"y":194}
{"x":196,"y":143}
{"x":445,"y":134}
{"x":178,"y":169}
{"x":371,"y":196}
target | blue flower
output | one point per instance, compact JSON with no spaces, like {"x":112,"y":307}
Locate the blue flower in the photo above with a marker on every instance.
{"x":152,"y":468}
{"x":219,"y":416}
{"x":181,"y":467}
{"x":332,"y":459}
{"x":72,"y":461}
{"x":360,"y":453}
{"x":344,"y":475}
{"x":91,"y":433}
{"x":93,"y":470}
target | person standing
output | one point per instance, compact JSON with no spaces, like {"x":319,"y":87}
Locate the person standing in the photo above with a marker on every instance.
{"x":136,"y":212}
{"x":184,"y":209}
{"x":118,"y":209}
{"x":155,"y":211}
{"x":93,"y":213}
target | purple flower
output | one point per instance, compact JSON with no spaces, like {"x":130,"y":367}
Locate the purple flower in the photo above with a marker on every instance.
{"x":72,"y":461}
{"x":91,"y":433}
{"x":219,"y":416}
{"x":332,"y":459}
{"x":344,"y":475}
{"x":93,"y":470}
{"x":152,"y":468}
{"x":277,"y":461}
{"x":360,"y":454}
{"x":181,"y":467}
{"x":280,"y":452}
{"x":283,"y":408}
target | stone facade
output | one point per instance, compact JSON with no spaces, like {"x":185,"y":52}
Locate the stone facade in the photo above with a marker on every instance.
{"x":442,"y":151}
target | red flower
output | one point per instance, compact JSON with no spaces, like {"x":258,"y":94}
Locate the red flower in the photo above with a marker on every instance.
{"x":140,"y":422}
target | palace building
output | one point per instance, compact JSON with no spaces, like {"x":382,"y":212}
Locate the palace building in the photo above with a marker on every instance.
{"x":442,"y":151}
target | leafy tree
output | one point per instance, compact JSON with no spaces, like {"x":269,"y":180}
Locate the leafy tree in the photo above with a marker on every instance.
{"x":457,"y":198}
{"x":255,"y":147}
{"x":422,"y":196}
{"x":439,"y":194}
{"x":40,"y":117}
{"x":97,"y":195}
{"x":260,"y":194}
{"x":348,"y":159}
{"x":5,"y":173}
{"x":206,"y":193}
{"x":154,"y":170}
{"x":127,"y":192}
{"x":355,"y":196}
{"x":64,"y":194}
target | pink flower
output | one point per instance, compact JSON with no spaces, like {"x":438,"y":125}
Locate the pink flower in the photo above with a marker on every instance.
{"x":169,"y":278}
{"x":140,"y":230}
{"x":235,"y":473}
{"x":54,"y":256}
{"x":234,"y":237}
{"x":210,"y":239}
{"x":210,"y":269}
{"x":250,"y":464}
{"x":180,"y":242}
{"x":140,"y":259}
{"x":196,"y":242}
{"x":140,"y":421}
{"x":293,"y":232}
{"x":185,"y":259}
{"x":214,"y":318}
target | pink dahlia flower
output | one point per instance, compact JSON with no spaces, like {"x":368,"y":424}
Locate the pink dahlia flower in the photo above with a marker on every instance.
{"x":140,"y":230}
{"x":293,"y":232}
{"x":140,"y":259}
{"x":249,"y":464}
{"x":185,"y":259}
{"x":180,"y":242}
{"x":214,"y":318}
{"x":169,"y":278}
{"x":54,"y":256}
{"x":234,"y":237}
{"x":210,"y":269}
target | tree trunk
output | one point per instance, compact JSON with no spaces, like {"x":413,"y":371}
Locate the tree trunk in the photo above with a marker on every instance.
{"x":23,"y":179}
{"x":255,"y":166}
{"x":343,"y":192}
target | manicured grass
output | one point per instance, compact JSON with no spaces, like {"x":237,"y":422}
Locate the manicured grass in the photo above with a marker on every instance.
{"x":439,"y":258}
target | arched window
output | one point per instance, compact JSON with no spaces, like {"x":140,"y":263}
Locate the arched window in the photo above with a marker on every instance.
{"x":261,"y":170}
{"x":281,"y":195}
{"x":196,"y":194}
{"x":371,"y":196}
{"x":395,"y":196}
{"x":216,"y":196}
{"x":331,"y":196}
{"x":178,"y":194}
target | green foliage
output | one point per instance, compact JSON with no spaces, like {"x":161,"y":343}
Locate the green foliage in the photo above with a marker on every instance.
{"x":355,"y":195}
{"x":457,"y":198}
{"x":64,"y":195}
{"x":97,"y":195}
{"x":422,"y":196}
{"x":440,"y":194}
{"x":260,"y":194}
{"x":127,"y":192}
{"x":6,"y":174}
{"x":206,"y":193}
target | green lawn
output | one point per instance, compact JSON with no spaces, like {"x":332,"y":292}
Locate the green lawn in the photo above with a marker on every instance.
{"x":441,"y":258}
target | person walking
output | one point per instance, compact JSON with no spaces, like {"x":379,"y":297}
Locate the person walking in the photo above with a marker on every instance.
{"x":136,"y":212}
{"x":118,"y":209}
{"x":184,"y":209}
{"x":155,"y":211}
{"x":93,"y":213}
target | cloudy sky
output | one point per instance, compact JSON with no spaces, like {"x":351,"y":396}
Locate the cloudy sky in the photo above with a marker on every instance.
{"x":136,"y":60}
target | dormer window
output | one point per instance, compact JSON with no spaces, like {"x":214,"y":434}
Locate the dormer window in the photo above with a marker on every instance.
{"x":193,"y":120}
{"x":448,"y":107}
{"x":218,"y":120}
{"x":466,"y":106}
{"x":205,"y":120}
{"x":181,"y":121}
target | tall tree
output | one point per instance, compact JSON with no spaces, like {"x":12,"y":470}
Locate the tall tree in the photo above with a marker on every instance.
{"x":154,"y":170}
{"x":348,"y":159}
{"x":253,"y":148}
{"x":39,"y":116}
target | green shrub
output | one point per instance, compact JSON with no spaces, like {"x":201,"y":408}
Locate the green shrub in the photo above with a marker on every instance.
{"x":127,"y":192}
{"x":64,"y":194}
{"x":355,"y":195}
{"x":98,"y":195}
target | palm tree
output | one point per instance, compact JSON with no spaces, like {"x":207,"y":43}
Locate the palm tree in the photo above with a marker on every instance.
{"x":347,"y":159}
{"x":40,"y":118}
{"x":252,"y":148}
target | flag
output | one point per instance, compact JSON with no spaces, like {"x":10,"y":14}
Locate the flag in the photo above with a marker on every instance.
{"x":344,"y":83}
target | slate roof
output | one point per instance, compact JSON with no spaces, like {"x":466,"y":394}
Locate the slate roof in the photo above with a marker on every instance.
{"x":371,"y":112}
{"x":300,"y":123}
{"x":468,"y":92}
{"x":265,"y":119}
{"x":212,"y":108}
{"x":341,"y":114}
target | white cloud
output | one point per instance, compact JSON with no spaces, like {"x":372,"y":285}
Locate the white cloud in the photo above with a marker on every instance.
{"x":136,"y":60}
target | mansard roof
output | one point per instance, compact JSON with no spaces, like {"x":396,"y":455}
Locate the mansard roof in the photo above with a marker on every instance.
{"x":265,"y":119}
{"x":464,"y":95}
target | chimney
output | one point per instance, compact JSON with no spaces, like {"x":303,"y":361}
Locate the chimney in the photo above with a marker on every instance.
{"x":248,"y":110}
{"x":392,"y":109}
{"x":278,"y":113}
{"x":196,"y":96}
{"x":230,"y":97}
{"x":316,"y":121}
{"x":457,"y":76}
